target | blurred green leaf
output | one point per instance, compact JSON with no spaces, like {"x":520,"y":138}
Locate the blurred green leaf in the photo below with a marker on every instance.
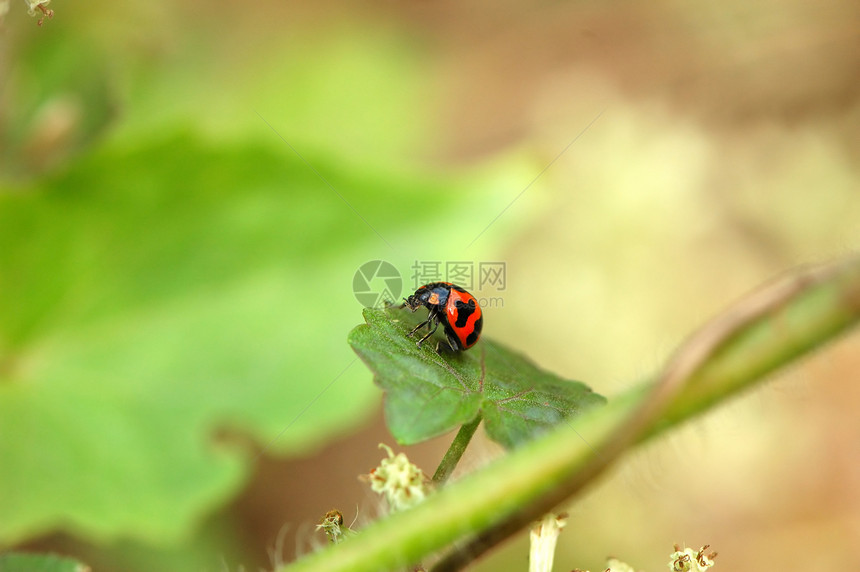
{"x":155,"y":295}
{"x":428,"y":394}
{"x":167,"y":293}
{"x":21,"y":562}
{"x":56,"y":102}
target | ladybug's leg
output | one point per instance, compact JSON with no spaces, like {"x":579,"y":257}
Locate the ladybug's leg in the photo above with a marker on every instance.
{"x":444,"y":347}
{"x":453,"y":342}
{"x":421,"y":325}
{"x":430,"y":333}
{"x":431,"y":316}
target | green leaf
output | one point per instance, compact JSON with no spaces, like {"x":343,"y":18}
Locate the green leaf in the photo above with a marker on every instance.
{"x":156,"y":296}
{"x":21,"y":562}
{"x":428,"y":394}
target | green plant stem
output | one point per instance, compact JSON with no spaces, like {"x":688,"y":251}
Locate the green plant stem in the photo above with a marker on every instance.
{"x":456,"y":450}
{"x":487,"y":506}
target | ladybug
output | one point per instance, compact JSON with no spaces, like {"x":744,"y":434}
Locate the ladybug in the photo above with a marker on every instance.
{"x":453,"y":307}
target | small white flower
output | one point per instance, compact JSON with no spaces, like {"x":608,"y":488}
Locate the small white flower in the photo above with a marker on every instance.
{"x":403,"y":484}
{"x":332,"y":525}
{"x":544,"y":536}
{"x":687,"y":560}
{"x":34,"y":5}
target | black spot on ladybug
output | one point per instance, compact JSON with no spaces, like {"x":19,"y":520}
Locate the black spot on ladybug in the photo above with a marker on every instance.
{"x":476,"y":331}
{"x":464,"y":310}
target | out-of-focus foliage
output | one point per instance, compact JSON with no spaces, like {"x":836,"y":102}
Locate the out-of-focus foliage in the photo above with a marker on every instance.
{"x":21,"y":562}
{"x":162,"y":286}
{"x":150,"y":296}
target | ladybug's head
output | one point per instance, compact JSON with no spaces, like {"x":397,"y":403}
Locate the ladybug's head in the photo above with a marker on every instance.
{"x":416,"y":300}
{"x":424,"y":296}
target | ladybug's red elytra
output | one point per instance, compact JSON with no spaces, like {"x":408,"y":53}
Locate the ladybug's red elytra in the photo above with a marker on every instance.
{"x":453,"y":307}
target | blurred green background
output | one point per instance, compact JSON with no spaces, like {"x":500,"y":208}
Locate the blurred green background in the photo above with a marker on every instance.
{"x":187,"y":189}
